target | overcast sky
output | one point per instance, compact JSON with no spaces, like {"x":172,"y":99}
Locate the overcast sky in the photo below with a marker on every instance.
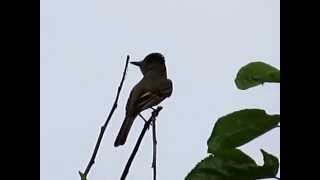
{"x":205,"y":42}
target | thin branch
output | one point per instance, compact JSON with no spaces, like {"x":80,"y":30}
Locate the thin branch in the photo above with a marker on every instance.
{"x":136,"y":147}
{"x":154,"y":159}
{"x":142,"y":118}
{"x":103,"y":128}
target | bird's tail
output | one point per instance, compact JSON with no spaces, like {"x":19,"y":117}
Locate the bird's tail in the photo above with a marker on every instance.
{"x":124,"y":130}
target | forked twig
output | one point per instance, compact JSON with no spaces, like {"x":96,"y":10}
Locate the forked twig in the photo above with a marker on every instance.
{"x":136,"y":147}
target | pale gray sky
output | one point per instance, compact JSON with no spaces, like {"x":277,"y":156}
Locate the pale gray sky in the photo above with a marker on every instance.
{"x":83,"y":50}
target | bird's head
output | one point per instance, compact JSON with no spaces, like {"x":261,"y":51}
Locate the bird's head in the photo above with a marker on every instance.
{"x":151,"y":62}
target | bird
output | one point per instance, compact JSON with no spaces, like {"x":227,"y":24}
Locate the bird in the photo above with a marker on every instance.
{"x":151,"y":90}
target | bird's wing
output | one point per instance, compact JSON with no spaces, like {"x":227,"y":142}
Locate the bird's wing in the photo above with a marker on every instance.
{"x":153,"y":98}
{"x":138,"y":95}
{"x":141,"y":98}
{"x":149,"y":101}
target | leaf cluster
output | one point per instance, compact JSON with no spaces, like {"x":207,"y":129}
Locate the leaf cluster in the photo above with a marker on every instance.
{"x":225,"y":161}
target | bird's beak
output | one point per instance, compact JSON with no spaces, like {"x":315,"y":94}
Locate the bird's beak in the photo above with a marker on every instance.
{"x":137,"y":63}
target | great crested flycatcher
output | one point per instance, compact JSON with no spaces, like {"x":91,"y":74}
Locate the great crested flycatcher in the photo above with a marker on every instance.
{"x":153,"y":88}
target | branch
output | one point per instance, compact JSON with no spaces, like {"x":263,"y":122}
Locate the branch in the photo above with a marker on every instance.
{"x":142,"y":118}
{"x":136,"y":147}
{"x":154,"y":159}
{"x":103,"y":128}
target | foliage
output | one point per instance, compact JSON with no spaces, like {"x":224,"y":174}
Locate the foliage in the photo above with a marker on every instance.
{"x":256,"y":73}
{"x":225,"y":161}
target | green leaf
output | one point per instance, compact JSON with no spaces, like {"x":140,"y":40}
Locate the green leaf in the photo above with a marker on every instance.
{"x":270,"y":167}
{"x":256,"y":73}
{"x":227,"y":165}
{"x":271,"y":163}
{"x":233,"y":164}
{"x":83,"y":177}
{"x":240,"y":127}
{"x":205,"y":170}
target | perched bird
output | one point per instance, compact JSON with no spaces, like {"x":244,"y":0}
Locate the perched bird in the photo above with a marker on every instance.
{"x":153,"y":88}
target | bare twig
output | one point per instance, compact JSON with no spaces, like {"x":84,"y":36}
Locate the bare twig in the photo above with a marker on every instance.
{"x":136,"y":147}
{"x":103,"y":128}
{"x":154,"y":158}
{"x":142,"y":118}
